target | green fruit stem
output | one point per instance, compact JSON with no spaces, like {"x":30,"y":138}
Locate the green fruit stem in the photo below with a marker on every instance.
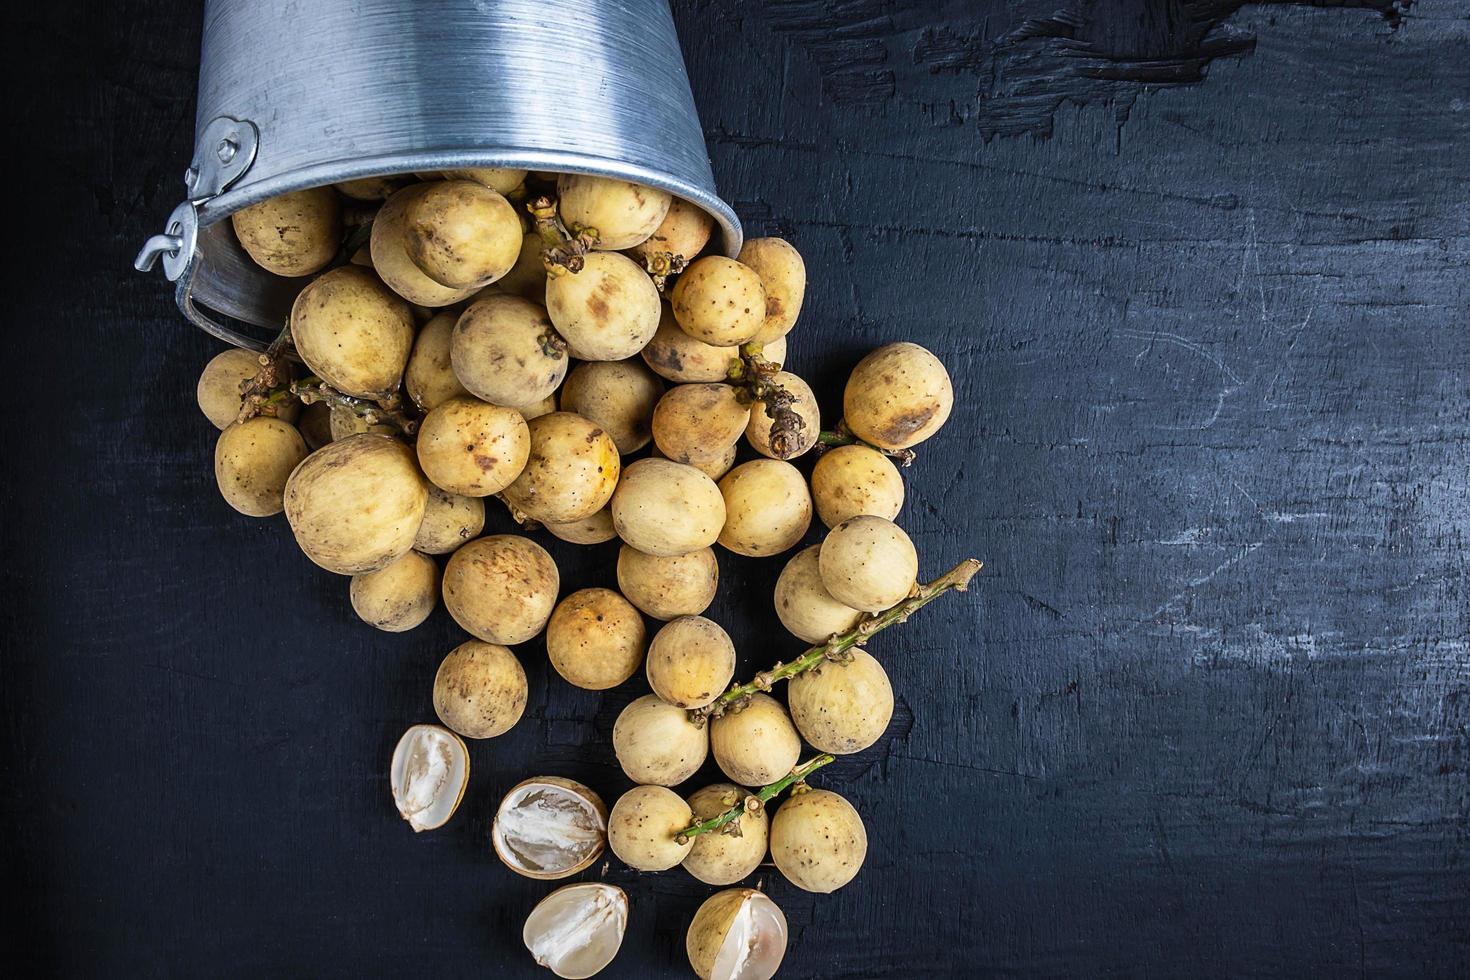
{"x":842,"y":436}
{"x":314,"y":389}
{"x":754,"y":802}
{"x":836,"y":648}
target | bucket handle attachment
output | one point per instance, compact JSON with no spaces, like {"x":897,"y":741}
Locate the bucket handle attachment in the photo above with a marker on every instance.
{"x":224,"y":152}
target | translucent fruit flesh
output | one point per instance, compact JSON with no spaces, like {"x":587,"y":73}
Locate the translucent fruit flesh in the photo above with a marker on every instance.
{"x":430,"y":769}
{"x":577,"y":930}
{"x":755,"y":944}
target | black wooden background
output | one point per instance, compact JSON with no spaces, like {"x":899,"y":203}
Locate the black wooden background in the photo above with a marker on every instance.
{"x":1200,"y":274}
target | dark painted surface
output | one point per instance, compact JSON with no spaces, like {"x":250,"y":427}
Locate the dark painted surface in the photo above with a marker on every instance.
{"x":1200,"y":277}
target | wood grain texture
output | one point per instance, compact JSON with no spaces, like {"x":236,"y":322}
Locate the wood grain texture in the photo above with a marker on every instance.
{"x":1207,"y":710}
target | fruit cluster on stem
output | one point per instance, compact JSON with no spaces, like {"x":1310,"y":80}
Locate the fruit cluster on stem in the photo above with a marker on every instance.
{"x":838,"y":647}
{"x":728,"y":821}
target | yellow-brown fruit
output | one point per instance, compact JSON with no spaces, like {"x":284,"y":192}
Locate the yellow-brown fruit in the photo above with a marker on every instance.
{"x":429,"y":377}
{"x":595,"y":639}
{"x":617,"y":395}
{"x":505,"y":351}
{"x":473,"y":448}
{"x":352,"y":332}
{"x":719,"y":301}
{"x":665,"y":508}
{"x":571,"y":471}
{"x":501,"y":588}
{"x":252,"y":462}
{"x":668,"y":586}
{"x":897,"y":396}
{"x":818,"y":841}
{"x":757,"y":744}
{"x":690,"y":662}
{"x":767,"y":508}
{"x":398,"y":596}
{"x":325,"y":503}
{"x":624,"y":213}
{"x":852,"y":480}
{"x":783,"y":274}
{"x":292,"y":234}
{"x":480,"y":690}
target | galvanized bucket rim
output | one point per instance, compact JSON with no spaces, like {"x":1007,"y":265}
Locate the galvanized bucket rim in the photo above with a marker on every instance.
{"x":245,"y":193}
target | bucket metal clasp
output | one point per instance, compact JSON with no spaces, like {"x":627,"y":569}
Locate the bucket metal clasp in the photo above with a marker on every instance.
{"x":225,"y":150}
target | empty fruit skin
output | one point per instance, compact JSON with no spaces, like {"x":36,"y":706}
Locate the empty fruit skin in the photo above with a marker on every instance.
{"x":429,"y":773}
{"x":577,"y":929}
{"x":549,"y":827}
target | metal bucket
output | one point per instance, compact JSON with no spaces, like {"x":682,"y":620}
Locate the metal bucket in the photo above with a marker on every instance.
{"x":295,"y":95}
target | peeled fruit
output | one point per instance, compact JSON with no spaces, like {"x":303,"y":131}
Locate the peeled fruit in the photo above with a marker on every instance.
{"x":804,"y":404}
{"x":292,"y":234}
{"x":665,"y":508}
{"x":501,"y":588}
{"x":595,"y":639}
{"x":737,"y":934}
{"x":783,"y":274}
{"x":480,"y":690}
{"x":852,"y":480}
{"x":643,"y":825}
{"x":589,"y":530}
{"x":868,"y":563}
{"x":571,"y":471}
{"x":842,"y":707}
{"x":657,"y":744}
{"x":617,"y":395}
{"x":505,"y":351}
{"x":218,"y":391}
{"x":767,"y":507}
{"x":461,"y":233}
{"x":607,"y":311}
{"x":718,"y":857}
{"x":683,"y":233}
{"x":449,"y":521}
{"x":897,"y":396}
{"x":253,"y":460}
{"x":623,"y":213}
{"x":804,"y":605}
{"x":356,"y":505}
{"x":430,"y":377}
{"x":690,"y":662}
{"x":549,"y":827}
{"x":719,"y":301}
{"x":699,"y":421}
{"x":818,"y":841}
{"x":471,"y":447}
{"x":428,"y":775}
{"x":668,"y":586}
{"x":391,"y":258}
{"x":577,"y":930}
{"x":755,"y":745}
{"x":352,"y":332}
{"x":398,"y":596}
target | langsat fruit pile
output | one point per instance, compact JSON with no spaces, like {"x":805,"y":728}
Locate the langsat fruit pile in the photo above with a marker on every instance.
{"x":570,"y":346}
